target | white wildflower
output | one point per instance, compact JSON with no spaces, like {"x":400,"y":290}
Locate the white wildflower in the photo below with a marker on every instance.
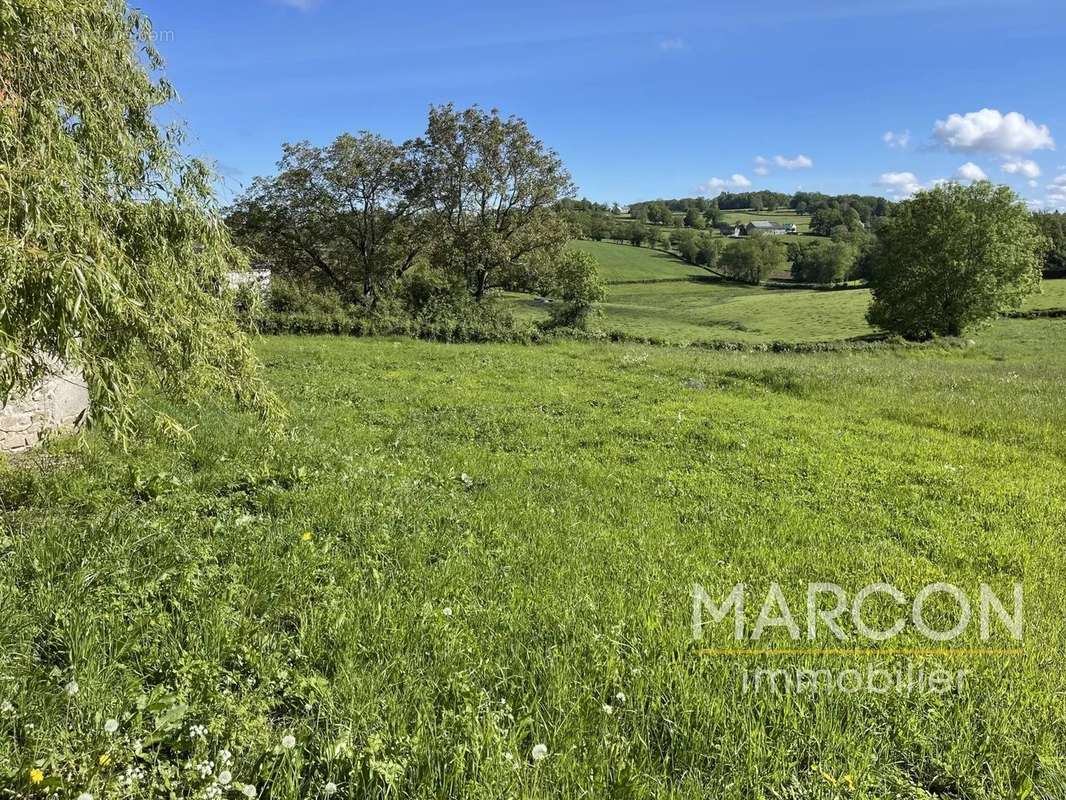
{"x":540,"y":752}
{"x":225,"y":777}
{"x":607,"y":709}
{"x":205,"y":768}
{"x":288,"y":741}
{"x":197,"y":731}
{"x":72,"y":688}
{"x":225,"y":756}
{"x":85,"y":796}
{"x":330,"y":788}
{"x":6,"y":707}
{"x":111,"y":726}
{"x":249,"y":790}
{"x":621,"y":698}
{"x":447,"y":611}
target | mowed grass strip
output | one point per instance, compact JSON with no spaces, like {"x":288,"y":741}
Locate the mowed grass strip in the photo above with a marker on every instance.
{"x":503,"y":544}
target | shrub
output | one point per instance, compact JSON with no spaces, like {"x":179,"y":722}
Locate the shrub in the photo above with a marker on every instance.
{"x":823,"y":262}
{"x":753,"y":259}
{"x":574,"y":282}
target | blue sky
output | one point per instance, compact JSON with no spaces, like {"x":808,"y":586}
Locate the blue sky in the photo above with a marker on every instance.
{"x":644,"y":100}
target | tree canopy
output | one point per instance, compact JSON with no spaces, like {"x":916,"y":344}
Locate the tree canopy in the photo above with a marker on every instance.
{"x":348,"y":215}
{"x":753,"y":259}
{"x":112,"y":254}
{"x":949,"y":259}
{"x":477,"y":200}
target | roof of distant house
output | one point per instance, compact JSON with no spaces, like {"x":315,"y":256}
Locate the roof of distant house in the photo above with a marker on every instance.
{"x":765,"y":225}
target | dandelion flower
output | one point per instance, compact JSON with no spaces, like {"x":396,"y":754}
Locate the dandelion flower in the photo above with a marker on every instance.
{"x":608,"y":709}
{"x":197,"y":731}
{"x":330,"y":788}
{"x":447,"y":611}
{"x":307,"y":536}
{"x":104,"y":760}
{"x":225,"y":756}
{"x":540,"y":752}
{"x":111,"y":726}
{"x":6,"y":707}
{"x":36,"y":776}
{"x":288,"y":741}
{"x":621,"y":698}
{"x":225,"y":777}
{"x":85,"y":796}
{"x":72,"y":688}
{"x":249,"y":790}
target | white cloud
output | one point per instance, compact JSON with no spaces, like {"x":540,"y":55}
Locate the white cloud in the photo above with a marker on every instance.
{"x":900,"y":184}
{"x":1021,"y":166}
{"x":970,"y":172}
{"x":1056,"y":190}
{"x":735,"y":181}
{"x":799,"y":162}
{"x":672,"y":43}
{"x":1033,"y":184}
{"x":989,"y":130}
{"x":763,"y":164}
{"x":894,"y":140}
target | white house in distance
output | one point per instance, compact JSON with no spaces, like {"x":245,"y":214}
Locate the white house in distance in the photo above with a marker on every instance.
{"x":772,"y":228}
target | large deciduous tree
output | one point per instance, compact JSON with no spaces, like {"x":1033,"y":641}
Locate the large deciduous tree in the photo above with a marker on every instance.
{"x":950,"y":259}
{"x":112,"y":254}
{"x":350,"y":214}
{"x":491,"y":186}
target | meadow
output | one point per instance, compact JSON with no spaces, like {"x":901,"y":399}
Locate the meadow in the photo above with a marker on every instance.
{"x":678,"y":303}
{"x":466,"y":571}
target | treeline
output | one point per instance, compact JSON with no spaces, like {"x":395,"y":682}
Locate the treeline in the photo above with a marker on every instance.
{"x":756,"y":201}
{"x":1053,"y":225}
{"x":421,"y":230}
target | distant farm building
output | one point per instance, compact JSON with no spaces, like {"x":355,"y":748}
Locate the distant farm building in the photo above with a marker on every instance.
{"x":765,"y":227}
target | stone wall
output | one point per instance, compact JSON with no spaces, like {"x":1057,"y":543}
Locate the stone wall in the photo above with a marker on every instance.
{"x":54,"y":404}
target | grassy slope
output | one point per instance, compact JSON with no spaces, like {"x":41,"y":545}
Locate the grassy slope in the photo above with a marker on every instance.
{"x":703,"y":309}
{"x":561,"y":501}
{"x":622,"y":262}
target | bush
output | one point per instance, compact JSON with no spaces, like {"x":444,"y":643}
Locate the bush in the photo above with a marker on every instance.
{"x":575,"y":283}
{"x":823,"y":262}
{"x":753,"y":259}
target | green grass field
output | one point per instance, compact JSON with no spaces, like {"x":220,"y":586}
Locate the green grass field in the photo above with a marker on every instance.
{"x":621,"y":263}
{"x":704,"y":309}
{"x":453,"y":554}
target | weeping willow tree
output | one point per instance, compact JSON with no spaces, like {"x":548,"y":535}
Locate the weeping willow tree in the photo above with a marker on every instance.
{"x":113,"y":255}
